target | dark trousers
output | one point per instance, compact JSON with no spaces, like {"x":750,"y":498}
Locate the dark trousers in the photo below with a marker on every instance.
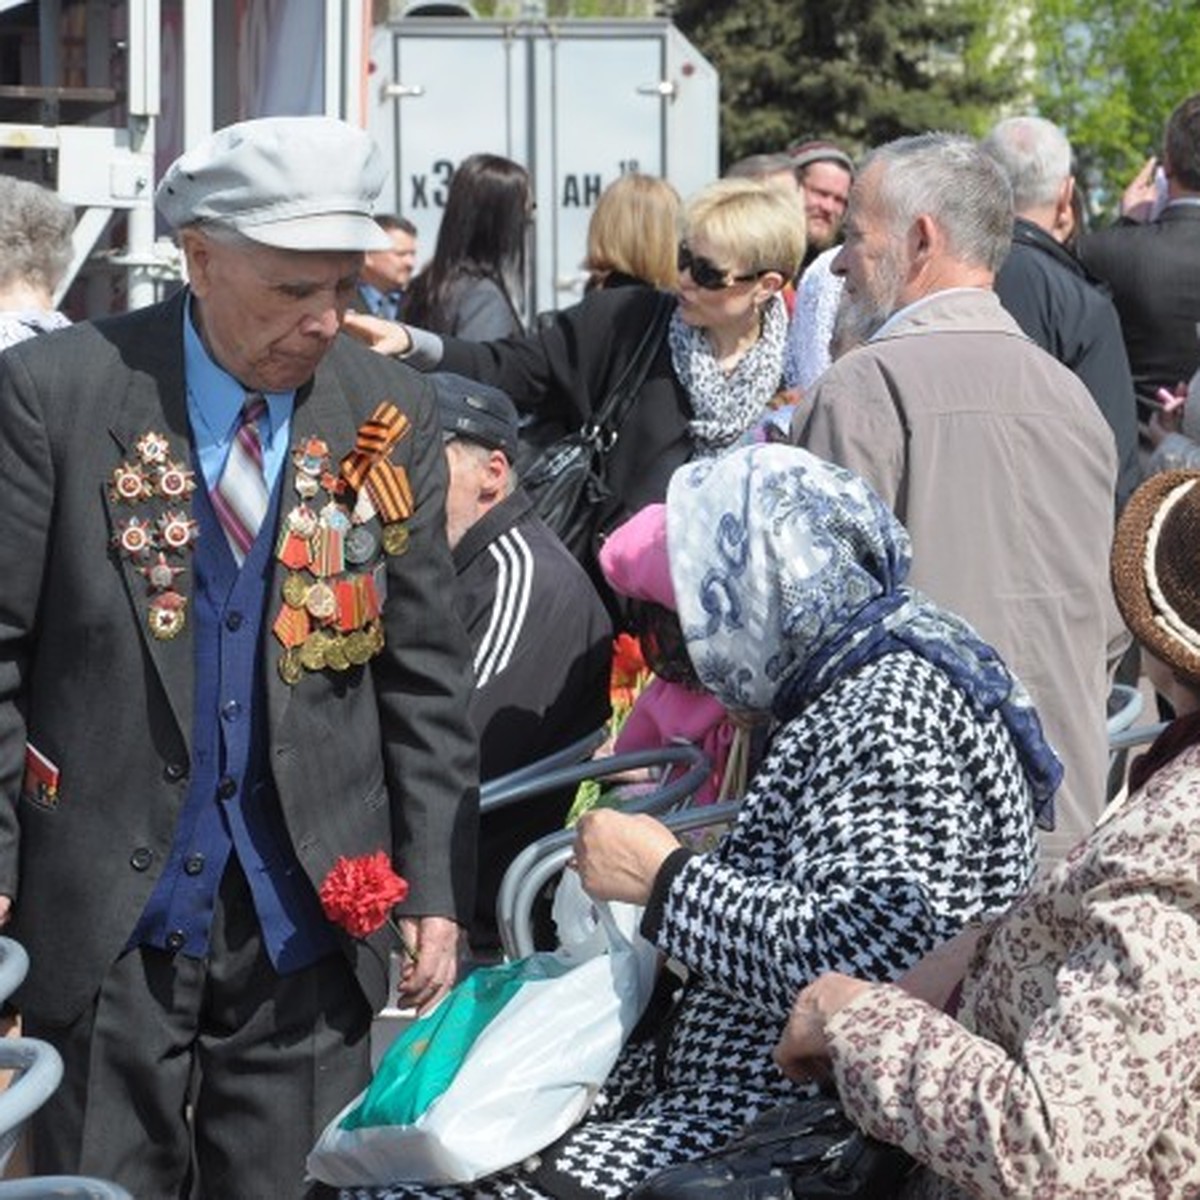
{"x":205,"y":1078}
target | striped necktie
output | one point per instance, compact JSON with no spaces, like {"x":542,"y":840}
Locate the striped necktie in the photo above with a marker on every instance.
{"x":240,"y":497}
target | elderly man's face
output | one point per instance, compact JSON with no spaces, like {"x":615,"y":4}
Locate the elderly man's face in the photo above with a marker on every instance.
{"x":268,"y":316}
{"x":873,"y":260}
{"x":826,"y":187}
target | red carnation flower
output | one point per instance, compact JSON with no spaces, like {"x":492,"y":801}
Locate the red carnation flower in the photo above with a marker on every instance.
{"x":358,"y":893}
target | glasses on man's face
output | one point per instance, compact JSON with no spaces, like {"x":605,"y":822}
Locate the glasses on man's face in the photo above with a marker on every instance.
{"x":706,"y":274}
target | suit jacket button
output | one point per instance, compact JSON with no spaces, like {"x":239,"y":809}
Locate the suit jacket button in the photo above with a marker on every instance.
{"x":175,"y":940}
{"x":173,"y":772}
{"x":194,"y":864}
{"x":227,"y":787}
{"x":141,"y":858}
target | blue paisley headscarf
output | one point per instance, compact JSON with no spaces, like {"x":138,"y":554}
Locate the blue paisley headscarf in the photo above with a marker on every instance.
{"x":789,"y":574}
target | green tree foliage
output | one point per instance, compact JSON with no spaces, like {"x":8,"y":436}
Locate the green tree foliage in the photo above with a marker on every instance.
{"x":1109,"y":72}
{"x":858,"y":71}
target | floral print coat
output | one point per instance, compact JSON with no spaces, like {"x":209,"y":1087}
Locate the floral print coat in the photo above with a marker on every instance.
{"x":1073,"y":1069}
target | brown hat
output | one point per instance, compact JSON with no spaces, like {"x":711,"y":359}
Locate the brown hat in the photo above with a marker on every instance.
{"x":1155,"y":551}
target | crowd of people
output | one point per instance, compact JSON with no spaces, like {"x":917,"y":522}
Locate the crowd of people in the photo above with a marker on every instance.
{"x":908,"y":469}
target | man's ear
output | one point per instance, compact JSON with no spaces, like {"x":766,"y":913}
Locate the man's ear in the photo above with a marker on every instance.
{"x":1063,"y":214}
{"x":493,"y":479}
{"x":924,"y":240}
{"x":197,"y":251}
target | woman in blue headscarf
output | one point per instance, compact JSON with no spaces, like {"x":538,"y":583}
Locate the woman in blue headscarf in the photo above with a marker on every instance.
{"x":895,"y":803}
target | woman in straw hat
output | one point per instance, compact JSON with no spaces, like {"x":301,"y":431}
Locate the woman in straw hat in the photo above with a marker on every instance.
{"x":1072,"y":1064}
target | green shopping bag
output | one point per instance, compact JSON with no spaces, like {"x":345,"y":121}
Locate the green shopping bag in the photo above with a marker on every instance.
{"x":421,"y":1063}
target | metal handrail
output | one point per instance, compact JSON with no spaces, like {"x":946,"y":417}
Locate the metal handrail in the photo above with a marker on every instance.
{"x":508,"y":791}
{"x":496,"y":793}
{"x":540,"y":862}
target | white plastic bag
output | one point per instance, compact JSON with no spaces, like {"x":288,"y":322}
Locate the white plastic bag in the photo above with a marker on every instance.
{"x":530,"y":1075}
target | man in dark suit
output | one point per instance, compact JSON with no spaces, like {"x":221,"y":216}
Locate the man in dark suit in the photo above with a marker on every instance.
{"x":226,"y":661}
{"x":1044,"y":286}
{"x":1152,"y":266}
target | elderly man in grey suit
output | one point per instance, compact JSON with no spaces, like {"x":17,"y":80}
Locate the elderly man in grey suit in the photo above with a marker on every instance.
{"x":227,"y":673}
{"x":993,"y":454}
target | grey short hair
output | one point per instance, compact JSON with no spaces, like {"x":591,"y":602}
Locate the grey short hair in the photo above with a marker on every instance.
{"x":1035,"y":155}
{"x":948,"y":177}
{"x":35,"y":234}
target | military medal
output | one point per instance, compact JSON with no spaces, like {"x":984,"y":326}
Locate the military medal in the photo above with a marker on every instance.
{"x":360,"y":545}
{"x":321,"y":601}
{"x":175,"y":481}
{"x":130,"y":485}
{"x":152,"y":448}
{"x":395,"y":538}
{"x":160,"y":574}
{"x":358,"y":647}
{"x":177,"y":530}
{"x":166,"y":615}
{"x":135,"y":537}
{"x":291,"y":669}
{"x":306,"y":486}
{"x":312,"y":652}
{"x":295,"y":590}
{"x":336,"y":658}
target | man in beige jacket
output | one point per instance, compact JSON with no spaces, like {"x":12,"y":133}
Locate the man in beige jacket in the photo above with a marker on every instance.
{"x":993,"y":454}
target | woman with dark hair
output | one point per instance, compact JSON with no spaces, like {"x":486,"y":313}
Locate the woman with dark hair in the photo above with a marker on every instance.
{"x":466,"y":290}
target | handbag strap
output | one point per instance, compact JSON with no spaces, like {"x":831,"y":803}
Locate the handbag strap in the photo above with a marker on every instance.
{"x":612,"y":412}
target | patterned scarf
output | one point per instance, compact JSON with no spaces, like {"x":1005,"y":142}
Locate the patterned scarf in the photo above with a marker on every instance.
{"x":726,"y":406}
{"x":788,"y":575}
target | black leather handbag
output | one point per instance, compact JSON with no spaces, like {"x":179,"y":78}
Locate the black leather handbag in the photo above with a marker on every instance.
{"x":568,"y":479}
{"x":809,"y":1150}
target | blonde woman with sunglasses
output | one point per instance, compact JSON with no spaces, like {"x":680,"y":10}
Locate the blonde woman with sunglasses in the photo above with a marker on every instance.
{"x":712,"y":378}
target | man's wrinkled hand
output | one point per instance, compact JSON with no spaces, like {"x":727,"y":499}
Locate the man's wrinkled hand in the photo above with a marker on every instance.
{"x":432,"y":969}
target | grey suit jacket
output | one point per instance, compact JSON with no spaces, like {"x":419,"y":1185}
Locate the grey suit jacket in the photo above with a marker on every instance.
{"x":377,"y":757}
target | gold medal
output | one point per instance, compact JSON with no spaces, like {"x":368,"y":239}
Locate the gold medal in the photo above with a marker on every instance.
{"x":312,"y":652}
{"x":291,"y":669}
{"x":295,"y":590}
{"x":336,"y":658}
{"x":167,"y":616}
{"x":395,"y":538}
{"x":374,"y":631}
{"x":358,"y":647}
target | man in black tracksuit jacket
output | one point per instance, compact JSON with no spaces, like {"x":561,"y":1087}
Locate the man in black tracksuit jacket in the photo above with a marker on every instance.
{"x":541,"y":638}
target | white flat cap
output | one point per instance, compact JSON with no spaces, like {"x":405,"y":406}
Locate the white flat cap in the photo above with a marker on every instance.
{"x":297,"y":183}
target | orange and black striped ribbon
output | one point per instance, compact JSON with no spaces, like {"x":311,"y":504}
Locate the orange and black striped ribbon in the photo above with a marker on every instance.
{"x":367,"y":464}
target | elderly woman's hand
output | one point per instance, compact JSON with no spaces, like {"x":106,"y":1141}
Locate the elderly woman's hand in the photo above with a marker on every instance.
{"x":802,"y":1052}
{"x":619,"y":854}
{"x":384,"y":337}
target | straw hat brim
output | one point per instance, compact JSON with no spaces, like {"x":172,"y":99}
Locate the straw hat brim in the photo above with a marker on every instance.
{"x":1145,"y":610}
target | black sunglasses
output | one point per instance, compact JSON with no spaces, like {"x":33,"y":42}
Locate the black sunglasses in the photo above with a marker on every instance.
{"x":707,"y":275}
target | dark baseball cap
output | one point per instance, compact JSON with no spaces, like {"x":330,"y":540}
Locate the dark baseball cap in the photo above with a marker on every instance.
{"x":476,"y":411}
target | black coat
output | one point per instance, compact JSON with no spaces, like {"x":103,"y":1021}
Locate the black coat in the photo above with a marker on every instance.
{"x":563,"y":372}
{"x":1068,"y":314}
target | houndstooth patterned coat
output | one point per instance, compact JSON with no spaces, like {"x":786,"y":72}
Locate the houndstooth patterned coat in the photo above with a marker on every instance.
{"x":885,"y":816}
